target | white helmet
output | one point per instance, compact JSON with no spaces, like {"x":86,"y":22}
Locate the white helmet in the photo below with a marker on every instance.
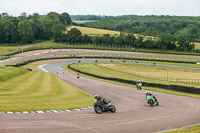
{"x":96,"y":95}
{"x":147,"y":92}
{"x":138,"y":80}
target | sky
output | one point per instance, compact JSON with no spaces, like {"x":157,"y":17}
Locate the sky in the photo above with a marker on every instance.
{"x":102,"y":7}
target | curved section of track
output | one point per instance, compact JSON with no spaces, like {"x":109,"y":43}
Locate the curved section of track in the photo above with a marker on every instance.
{"x":133,"y":114}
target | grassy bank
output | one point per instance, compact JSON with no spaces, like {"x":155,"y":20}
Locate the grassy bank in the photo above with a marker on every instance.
{"x":38,"y":90}
{"x":7,"y":73}
{"x":8,"y":49}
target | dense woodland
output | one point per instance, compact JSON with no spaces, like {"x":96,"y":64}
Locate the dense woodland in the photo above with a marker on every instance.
{"x":32,"y":28}
{"x":173,"y":32}
{"x":170,"y":32}
{"x":151,"y":25}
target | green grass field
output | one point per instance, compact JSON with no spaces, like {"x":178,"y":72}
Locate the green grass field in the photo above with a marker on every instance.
{"x":38,"y":90}
{"x":93,"y":31}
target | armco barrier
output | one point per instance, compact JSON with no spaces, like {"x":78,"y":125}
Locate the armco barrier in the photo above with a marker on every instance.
{"x":170,"y":87}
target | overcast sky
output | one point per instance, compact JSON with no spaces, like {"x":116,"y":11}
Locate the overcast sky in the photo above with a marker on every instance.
{"x":102,"y":7}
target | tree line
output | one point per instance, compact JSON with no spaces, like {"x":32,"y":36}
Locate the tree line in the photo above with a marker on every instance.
{"x":86,"y":17}
{"x":163,"y":42}
{"x":32,"y":28}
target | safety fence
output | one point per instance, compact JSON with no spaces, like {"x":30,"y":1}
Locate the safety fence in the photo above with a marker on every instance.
{"x":180,"y":80}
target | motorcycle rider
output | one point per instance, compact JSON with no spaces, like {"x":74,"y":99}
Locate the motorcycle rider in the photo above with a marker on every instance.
{"x":100,"y":99}
{"x":78,"y":75}
{"x":138,"y":82}
{"x":148,"y":93}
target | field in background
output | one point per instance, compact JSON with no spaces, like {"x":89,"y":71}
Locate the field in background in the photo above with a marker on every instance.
{"x":197,"y":45}
{"x":93,"y":31}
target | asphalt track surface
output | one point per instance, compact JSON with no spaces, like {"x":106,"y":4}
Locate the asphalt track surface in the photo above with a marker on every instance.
{"x":133,"y":114}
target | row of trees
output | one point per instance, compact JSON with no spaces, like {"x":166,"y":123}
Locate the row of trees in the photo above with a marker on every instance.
{"x":32,"y":28}
{"x":163,"y":42}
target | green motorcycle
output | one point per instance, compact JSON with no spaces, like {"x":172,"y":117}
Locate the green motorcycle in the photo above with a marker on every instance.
{"x":139,"y":86}
{"x":152,"y":100}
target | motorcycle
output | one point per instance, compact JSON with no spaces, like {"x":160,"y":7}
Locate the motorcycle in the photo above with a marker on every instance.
{"x":103,"y":106}
{"x":139,"y":86}
{"x":152,"y":100}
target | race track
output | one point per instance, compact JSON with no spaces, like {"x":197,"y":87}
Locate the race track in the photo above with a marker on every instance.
{"x":133,"y":114}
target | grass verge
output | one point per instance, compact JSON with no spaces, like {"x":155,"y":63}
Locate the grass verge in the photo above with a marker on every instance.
{"x":38,"y":90}
{"x":192,"y":129}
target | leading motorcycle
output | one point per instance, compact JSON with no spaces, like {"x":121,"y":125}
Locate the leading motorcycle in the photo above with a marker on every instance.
{"x":104,"y":106}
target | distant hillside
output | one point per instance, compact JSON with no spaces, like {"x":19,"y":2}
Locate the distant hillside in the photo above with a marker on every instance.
{"x":85,"y":17}
{"x":150,"y":25}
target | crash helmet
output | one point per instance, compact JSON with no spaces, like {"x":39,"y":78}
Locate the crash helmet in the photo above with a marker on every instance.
{"x":138,"y":80}
{"x":96,"y":96}
{"x":147,"y":92}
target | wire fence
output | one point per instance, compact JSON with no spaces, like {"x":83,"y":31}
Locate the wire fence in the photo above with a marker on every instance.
{"x":165,"y":78}
{"x":99,"y":45}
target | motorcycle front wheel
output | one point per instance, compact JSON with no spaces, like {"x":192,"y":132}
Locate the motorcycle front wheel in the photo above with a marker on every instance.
{"x":151,"y":103}
{"x":112,"y":109}
{"x":98,"y":109}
